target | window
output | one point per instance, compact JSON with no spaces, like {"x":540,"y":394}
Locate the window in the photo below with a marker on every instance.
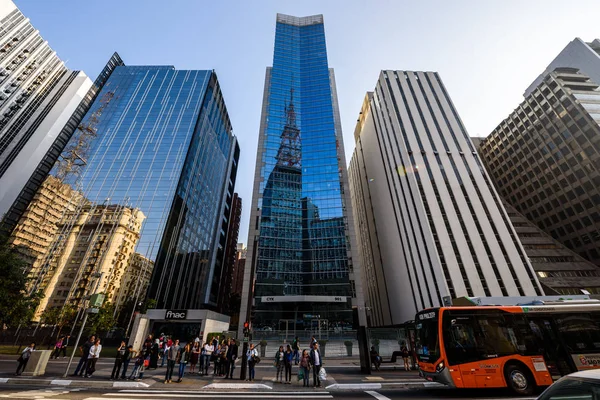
{"x":572,"y":388}
{"x":580,"y":332}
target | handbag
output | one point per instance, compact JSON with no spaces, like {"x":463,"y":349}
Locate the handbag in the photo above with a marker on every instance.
{"x":300,"y":374}
{"x":146,"y":363}
{"x":256,"y":359}
{"x":322,"y":374}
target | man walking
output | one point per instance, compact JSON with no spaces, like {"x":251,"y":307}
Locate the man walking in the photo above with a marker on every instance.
{"x":85,"y":353}
{"x":65,"y":345}
{"x":232,"y":353}
{"x":317,"y":361}
{"x":171,"y":358}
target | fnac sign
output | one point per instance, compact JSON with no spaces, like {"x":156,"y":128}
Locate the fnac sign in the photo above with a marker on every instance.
{"x":175,"y":314}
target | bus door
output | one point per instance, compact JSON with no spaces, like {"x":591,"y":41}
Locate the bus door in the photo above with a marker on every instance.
{"x":554,"y":352}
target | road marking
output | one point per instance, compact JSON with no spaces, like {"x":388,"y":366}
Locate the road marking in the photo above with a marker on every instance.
{"x":354,"y":386}
{"x":237,"y":386}
{"x":129,"y":384}
{"x":378,"y":396}
{"x":374,"y":378}
{"x":217,"y":396}
{"x":151,"y":391}
{"x":62,"y":382}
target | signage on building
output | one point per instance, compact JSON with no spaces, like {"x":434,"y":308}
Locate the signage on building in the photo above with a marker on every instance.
{"x":303,"y":299}
{"x":175,"y":314}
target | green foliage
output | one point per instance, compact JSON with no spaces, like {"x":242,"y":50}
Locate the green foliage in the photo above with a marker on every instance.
{"x":104,"y":321}
{"x":59,"y":316}
{"x":348,"y":343}
{"x":149,"y":304}
{"x":16,"y":306}
{"x":375,"y":342}
{"x":263,"y":343}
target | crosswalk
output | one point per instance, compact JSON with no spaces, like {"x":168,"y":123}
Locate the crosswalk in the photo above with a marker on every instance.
{"x":208,"y":394}
{"x":50,"y":393}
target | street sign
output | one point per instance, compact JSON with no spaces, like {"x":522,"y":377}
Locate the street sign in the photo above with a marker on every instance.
{"x":246,"y":340}
{"x":96,"y":300}
{"x":93,"y":310}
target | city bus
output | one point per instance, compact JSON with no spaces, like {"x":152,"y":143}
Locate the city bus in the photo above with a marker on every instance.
{"x":519,"y":347}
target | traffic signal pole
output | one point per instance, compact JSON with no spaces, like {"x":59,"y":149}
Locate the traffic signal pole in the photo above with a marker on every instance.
{"x":245,"y":351}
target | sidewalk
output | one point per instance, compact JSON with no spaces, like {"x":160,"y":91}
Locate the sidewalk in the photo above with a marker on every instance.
{"x":343,"y":374}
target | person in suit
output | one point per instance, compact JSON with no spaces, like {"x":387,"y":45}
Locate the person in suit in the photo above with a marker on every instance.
{"x":317,"y":362}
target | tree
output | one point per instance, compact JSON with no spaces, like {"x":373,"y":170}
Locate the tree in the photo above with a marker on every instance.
{"x":104,"y":321}
{"x":59,"y":316}
{"x":16,"y":305}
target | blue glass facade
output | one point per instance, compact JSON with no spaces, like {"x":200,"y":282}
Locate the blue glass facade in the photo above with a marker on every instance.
{"x":301,"y":250}
{"x":161,"y":142}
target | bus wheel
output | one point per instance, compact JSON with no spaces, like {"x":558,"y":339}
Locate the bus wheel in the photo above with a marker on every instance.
{"x":519,"y":379}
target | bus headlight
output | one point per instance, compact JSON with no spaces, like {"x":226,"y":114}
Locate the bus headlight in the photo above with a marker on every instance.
{"x":440,"y":367}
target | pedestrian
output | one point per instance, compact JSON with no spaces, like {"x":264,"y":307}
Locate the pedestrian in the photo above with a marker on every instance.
{"x":287,"y":361}
{"x":57,"y":348}
{"x":93,"y":358}
{"x":164,"y":349}
{"x":216,"y":358}
{"x":84,"y":350}
{"x":171,"y":359}
{"x":232,"y":353}
{"x":121,"y":354}
{"x":215,"y":341}
{"x":129,"y":353}
{"x":24,"y":358}
{"x":279,"y":357}
{"x":184,"y":356}
{"x":317,"y":362}
{"x":209,"y":348}
{"x":138,"y":368}
{"x":313,"y":341}
{"x":305,"y":367}
{"x":405,"y":354}
{"x":296,"y":348}
{"x":223,"y":357}
{"x":154,"y":354}
{"x":194,"y":357}
{"x":251,"y":356}
{"x":65,"y":345}
{"x":375,"y":358}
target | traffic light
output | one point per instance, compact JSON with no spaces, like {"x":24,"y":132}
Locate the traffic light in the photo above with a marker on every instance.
{"x":246,"y":328}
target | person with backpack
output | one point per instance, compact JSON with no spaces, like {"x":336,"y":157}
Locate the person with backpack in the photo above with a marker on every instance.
{"x":296,"y":348}
{"x":405,"y":354}
{"x":287,"y":362}
{"x":24,"y":358}
{"x":279,"y":361}
{"x":121,"y":355}
{"x":252,"y":358}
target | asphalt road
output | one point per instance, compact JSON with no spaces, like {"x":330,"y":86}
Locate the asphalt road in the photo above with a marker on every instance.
{"x":73,"y":393}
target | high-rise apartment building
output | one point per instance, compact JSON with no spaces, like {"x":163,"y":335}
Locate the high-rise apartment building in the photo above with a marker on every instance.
{"x":545,"y":159}
{"x":91,"y":255}
{"x":134,"y":282}
{"x":431,"y":226}
{"x":158,"y":141}
{"x":41,"y":104}
{"x":301,"y":263}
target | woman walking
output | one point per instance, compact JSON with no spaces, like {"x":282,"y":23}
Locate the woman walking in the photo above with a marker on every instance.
{"x":279,"y":357}
{"x":288,"y":359}
{"x":93,"y":358}
{"x":194,"y":357}
{"x":305,"y":368}
{"x":24,"y":358}
{"x":405,"y":354}
{"x":184,"y":355}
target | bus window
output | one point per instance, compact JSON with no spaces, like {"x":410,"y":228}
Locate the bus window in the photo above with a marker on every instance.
{"x":459,"y":338}
{"x":580,"y":332}
{"x":426,"y":337}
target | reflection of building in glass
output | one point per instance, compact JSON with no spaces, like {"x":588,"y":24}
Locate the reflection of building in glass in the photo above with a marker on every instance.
{"x":545,"y":158}
{"x":431,"y":227}
{"x":159,"y":141}
{"x":37,"y":226}
{"x":41,"y":104}
{"x":134,"y":282}
{"x":90,"y":255}
{"x":226,"y":278}
{"x":299,"y":245}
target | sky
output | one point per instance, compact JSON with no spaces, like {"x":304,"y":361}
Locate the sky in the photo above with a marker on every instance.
{"x":487,"y":52}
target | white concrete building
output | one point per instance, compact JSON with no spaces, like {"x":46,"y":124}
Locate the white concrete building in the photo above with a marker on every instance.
{"x":38,"y":97}
{"x":430,"y":225}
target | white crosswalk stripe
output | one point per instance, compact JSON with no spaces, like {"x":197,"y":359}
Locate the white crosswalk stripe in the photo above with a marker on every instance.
{"x":151,"y":394}
{"x":36,"y":394}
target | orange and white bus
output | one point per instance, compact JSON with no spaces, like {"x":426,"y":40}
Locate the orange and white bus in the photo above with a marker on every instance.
{"x":519,"y":347}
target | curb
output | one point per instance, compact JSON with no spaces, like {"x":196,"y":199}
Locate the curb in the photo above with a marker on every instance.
{"x":382,"y":385}
{"x":69,"y":382}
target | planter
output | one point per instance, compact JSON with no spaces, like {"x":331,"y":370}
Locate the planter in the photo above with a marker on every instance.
{"x":263,"y":348}
{"x":375,"y":343}
{"x":348,"y":345}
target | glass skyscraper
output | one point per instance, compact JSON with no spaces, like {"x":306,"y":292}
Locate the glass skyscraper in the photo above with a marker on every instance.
{"x":299,"y":245}
{"x":159,"y":141}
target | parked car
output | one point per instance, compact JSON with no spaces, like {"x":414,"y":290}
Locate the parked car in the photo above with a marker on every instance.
{"x":582,"y":385}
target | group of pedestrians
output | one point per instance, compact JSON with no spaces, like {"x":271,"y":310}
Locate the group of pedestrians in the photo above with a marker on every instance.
{"x":90,"y":353}
{"x":61,"y":347}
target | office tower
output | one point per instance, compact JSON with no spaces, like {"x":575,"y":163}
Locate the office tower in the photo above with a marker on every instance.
{"x":431,"y":227}
{"x":300,"y":264}
{"x":225,"y":280}
{"x":90,"y":255}
{"x":545,"y":159}
{"x":584,"y":56}
{"x":41,"y":103}
{"x":158,"y":141}
{"x":559,"y":270}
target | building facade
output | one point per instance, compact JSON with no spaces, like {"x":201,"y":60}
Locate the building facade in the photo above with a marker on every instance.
{"x":91,"y":255}
{"x":430,"y":225}
{"x":226,"y":279}
{"x":301,"y":242}
{"x":134,"y":283}
{"x":41,"y":104}
{"x":158,"y":141}
{"x":545,"y":159}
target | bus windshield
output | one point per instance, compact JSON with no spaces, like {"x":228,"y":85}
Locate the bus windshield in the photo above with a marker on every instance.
{"x":426,"y":341}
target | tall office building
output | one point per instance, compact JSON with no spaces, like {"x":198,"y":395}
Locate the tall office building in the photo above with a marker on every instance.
{"x":41,"y":103}
{"x":545,"y":159}
{"x":226,"y":279}
{"x":158,"y":141}
{"x":431,"y":226}
{"x":301,"y":265}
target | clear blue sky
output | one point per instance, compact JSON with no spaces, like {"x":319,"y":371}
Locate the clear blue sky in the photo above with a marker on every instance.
{"x":487,"y":52}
